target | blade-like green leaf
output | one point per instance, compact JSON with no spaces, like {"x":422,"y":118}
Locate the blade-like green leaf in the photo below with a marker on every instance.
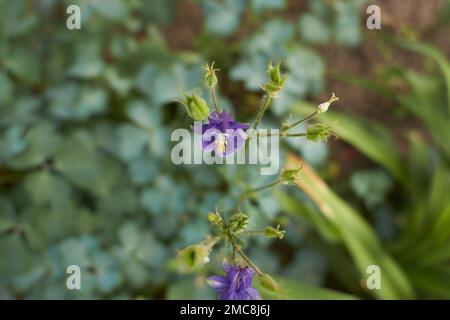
{"x":432,"y":53}
{"x":294,"y":290}
{"x":356,"y":234}
{"x":293,"y":207}
{"x":434,"y":282}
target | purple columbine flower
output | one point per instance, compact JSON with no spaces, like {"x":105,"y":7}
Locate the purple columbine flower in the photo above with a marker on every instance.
{"x":222,"y":134}
{"x":236,"y":285}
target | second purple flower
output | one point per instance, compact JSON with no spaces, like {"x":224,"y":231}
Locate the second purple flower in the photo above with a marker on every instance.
{"x":236,"y":285}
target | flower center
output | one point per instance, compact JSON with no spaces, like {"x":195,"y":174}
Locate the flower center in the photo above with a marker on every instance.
{"x":221,"y":142}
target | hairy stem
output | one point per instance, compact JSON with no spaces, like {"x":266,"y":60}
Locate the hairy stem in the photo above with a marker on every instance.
{"x":252,"y":232}
{"x":214,"y":98}
{"x":267,"y":186}
{"x":248,"y":192}
{"x":246,"y":259}
{"x":284,"y":134}
{"x":262,"y":110}
{"x":286,"y":128}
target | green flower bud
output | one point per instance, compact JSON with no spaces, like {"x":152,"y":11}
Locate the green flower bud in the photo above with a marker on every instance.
{"x":211,"y":80}
{"x":238,"y":222}
{"x":196,"y":107}
{"x":193,"y":257}
{"x":276,"y":82}
{"x":323,"y":107}
{"x":210,"y":75}
{"x":274,"y":72}
{"x":318,"y":132}
{"x":268,"y":283}
{"x":289,"y":176}
{"x":272,"y":89}
{"x":271,"y":232}
{"x":212,"y":217}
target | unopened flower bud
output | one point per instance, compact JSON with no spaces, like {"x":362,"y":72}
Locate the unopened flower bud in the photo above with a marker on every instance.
{"x":290,"y":176}
{"x":323,"y":107}
{"x":271,"y":232}
{"x":276,"y":82}
{"x":318,"y":132}
{"x":196,"y":107}
{"x":238,"y":222}
{"x":210,"y":75}
{"x":274,"y":72}
{"x":214,"y":218}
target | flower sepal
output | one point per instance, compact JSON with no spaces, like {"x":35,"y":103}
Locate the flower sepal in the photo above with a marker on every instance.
{"x":210,"y":75}
{"x":195,"y":256}
{"x":238,"y":223}
{"x":196,"y":107}
{"x":276,"y":82}
{"x":318,"y":132}
{"x":271,"y":232}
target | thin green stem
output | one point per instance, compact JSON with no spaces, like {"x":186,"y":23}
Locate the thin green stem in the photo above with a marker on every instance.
{"x":216,"y":105}
{"x":286,"y":128}
{"x":283,"y":134}
{"x":267,"y":186}
{"x":262,"y":110}
{"x":249,"y":192}
{"x":246,"y":259}
{"x":302,"y":134}
{"x":211,"y":241}
{"x":252,"y":232}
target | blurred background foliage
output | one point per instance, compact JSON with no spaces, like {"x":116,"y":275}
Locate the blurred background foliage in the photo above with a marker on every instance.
{"x":85,"y":123}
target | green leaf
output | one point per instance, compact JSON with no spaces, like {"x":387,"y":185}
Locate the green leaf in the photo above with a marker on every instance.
{"x":19,"y":20}
{"x":79,"y":161}
{"x":24,"y":64}
{"x":263,"y":5}
{"x":154,"y":201}
{"x":371,"y":186}
{"x":426,"y":102}
{"x":356,"y":234}
{"x":434,"y":54}
{"x":12,"y":142}
{"x":293,"y":207}
{"x":117,"y":82}
{"x":432,"y":282}
{"x":7,"y":88}
{"x":46,"y":188}
{"x":222,"y":17}
{"x":294,"y":290}
{"x":107,"y":276}
{"x":306,"y":76}
{"x":313,"y":29}
{"x":87,"y":67}
{"x":347,"y":30}
{"x":41,"y":142}
{"x":131,"y":142}
{"x":190,"y":289}
{"x":114,"y":10}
